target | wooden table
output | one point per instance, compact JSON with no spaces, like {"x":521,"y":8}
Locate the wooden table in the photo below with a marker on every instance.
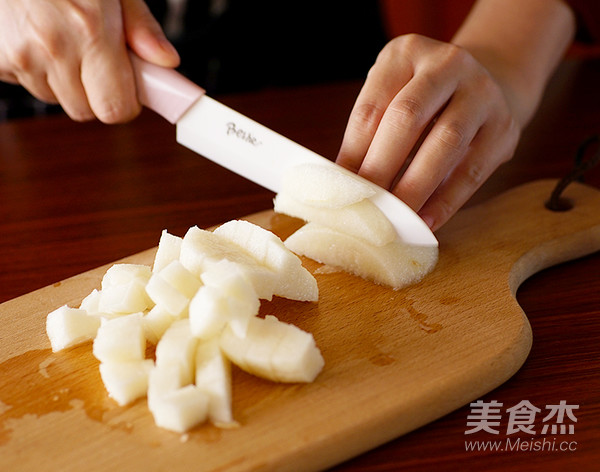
{"x":77,"y":196}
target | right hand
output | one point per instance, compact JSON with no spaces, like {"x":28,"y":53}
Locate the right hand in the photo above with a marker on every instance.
{"x":74,"y":53}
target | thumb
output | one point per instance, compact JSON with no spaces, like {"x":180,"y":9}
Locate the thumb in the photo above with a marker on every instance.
{"x":144,"y":35}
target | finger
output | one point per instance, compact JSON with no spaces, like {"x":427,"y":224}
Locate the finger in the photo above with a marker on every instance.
{"x":402,"y":124}
{"x":24,"y":69}
{"x":65,"y":81}
{"x":479,"y":163}
{"x":366,"y":114}
{"x":8,"y":77}
{"x":144,"y":35}
{"x":391,"y":72}
{"x":37,"y":85}
{"x":445,"y":144}
{"x":109,"y":84}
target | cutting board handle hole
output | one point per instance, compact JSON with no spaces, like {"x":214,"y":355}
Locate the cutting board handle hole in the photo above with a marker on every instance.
{"x":559,"y":204}
{"x":581,"y":166}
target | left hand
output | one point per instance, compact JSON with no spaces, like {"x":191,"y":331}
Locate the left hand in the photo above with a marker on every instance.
{"x":430,"y":124}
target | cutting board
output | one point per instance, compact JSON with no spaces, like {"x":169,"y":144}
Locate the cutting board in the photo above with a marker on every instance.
{"x":394,"y":360}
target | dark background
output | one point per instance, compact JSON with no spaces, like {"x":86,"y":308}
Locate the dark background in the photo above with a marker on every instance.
{"x":257,"y":44}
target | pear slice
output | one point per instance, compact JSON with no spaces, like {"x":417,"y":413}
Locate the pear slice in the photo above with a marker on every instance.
{"x":324,"y":186}
{"x":261,"y":352}
{"x":396,"y":264}
{"x":293,"y":280}
{"x":361,"y":219}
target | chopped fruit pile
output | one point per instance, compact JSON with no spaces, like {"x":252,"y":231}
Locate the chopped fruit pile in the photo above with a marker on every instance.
{"x":199,"y":305}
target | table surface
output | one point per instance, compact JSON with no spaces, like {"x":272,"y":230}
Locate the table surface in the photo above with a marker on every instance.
{"x":76,"y":196}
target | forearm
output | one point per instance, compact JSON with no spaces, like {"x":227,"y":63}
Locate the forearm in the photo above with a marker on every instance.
{"x":520,"y":42}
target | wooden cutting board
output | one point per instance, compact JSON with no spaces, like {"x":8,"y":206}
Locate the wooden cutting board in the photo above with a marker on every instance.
{"x":395,"y":360}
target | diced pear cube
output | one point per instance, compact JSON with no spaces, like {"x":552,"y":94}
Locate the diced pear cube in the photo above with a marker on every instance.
{"x":201,"y":248}
{"x":293,"y":280}
{"x":226,"y":297}
{"x":122,"y":274}
{"x":162,"y":293}
{"x":156,"y":322}
{"x":230,"y":276}
{"x":129,"y":297}
{"x":213,"y":376}
{"x":91,"y":302}
{"x":163,"y":379}
{"x":173,"y":287}
{"x":126,"y":381}
{"x":169,"y":247}
{"x":181,"y":409}
{"x":178,"y":346}
{"x":120,"y":339}
{"x":209,"y":312}
{"x":175,"y":405}
{"x":182,"y":279}
{"x":68,"y":327}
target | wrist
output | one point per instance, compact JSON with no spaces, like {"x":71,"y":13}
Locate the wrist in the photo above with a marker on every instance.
{"x":520,"y":43}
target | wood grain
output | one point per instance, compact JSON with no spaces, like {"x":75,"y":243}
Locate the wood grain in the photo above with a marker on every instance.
{"x":77,"y":196}
{"x":395,"y":360}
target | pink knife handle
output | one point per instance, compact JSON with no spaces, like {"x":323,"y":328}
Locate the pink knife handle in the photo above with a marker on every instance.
{"x":164,"y":90}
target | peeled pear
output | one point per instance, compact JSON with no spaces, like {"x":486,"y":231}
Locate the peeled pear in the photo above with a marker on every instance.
{"x":396,"y":264}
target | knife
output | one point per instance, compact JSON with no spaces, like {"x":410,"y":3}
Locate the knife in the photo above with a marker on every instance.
{"x":246,"y":147}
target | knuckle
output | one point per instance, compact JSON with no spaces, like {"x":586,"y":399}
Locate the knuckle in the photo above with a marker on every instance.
{"x":475,"y":175}
{"x":452,"y":135}
{"x":367,"y":115}
{"x":400,"y":46}
{"x":19,"y":59}
{"x":412,"y":187}
{"x":406,"y":113}
{"x":48,"y":38}
{"x":53,"y":44}
{"x":375,"y":174}
{"x":444,"y":209}
{"x":87,"y":20}
{"x":406,"y":42}
{"x":453,"y":54}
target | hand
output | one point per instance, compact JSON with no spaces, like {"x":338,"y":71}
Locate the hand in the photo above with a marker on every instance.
{"x":430,"y":124}
{"x":74,"y":52}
